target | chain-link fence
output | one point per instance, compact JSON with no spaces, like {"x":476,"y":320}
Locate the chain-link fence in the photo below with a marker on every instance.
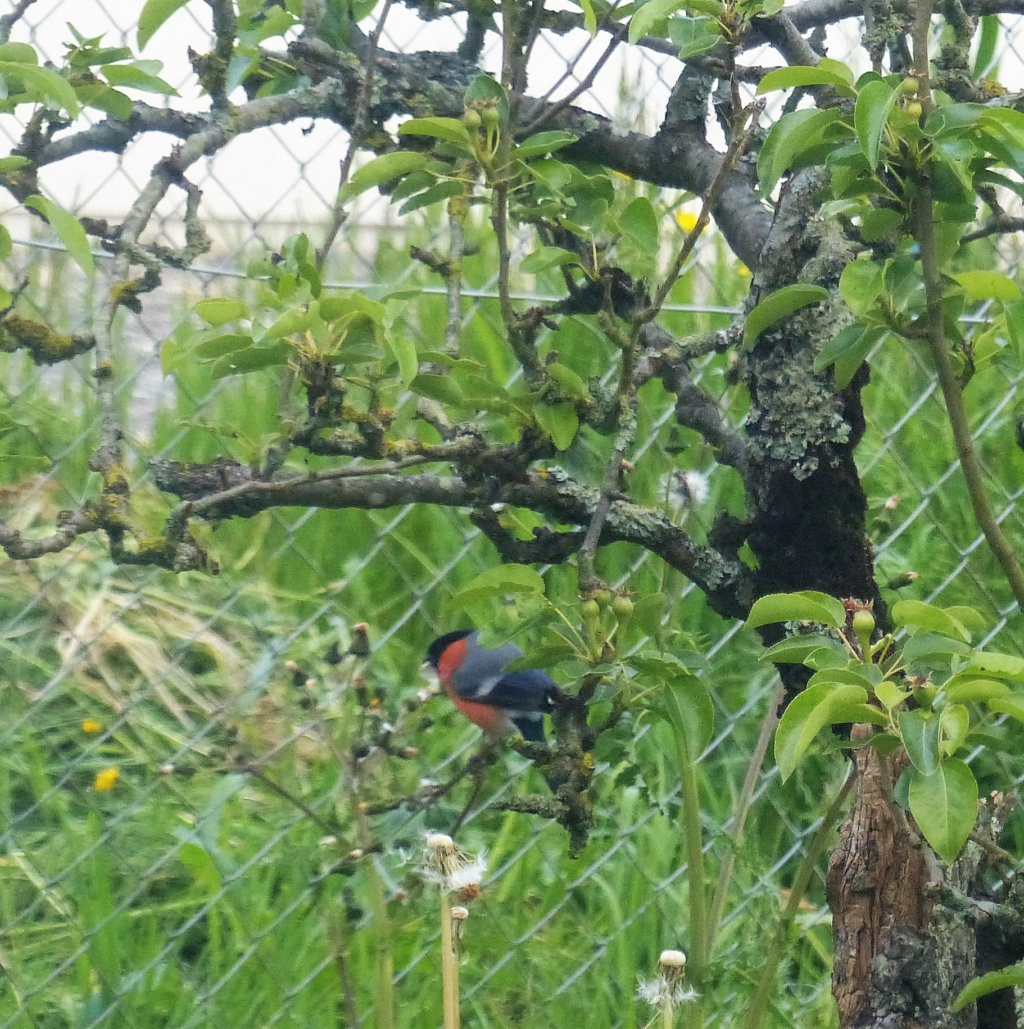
{"x":186,"y":838}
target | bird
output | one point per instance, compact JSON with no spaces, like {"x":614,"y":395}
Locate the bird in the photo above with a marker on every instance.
{"x":499,"y":702}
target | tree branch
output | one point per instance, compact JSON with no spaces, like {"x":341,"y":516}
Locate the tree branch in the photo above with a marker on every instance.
{"x":727,"y":583}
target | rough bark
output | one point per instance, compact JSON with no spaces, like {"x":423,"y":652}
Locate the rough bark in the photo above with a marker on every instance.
{"x":903,"y":948}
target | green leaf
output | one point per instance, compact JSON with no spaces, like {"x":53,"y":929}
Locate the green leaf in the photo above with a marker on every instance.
{"x":6,"y":243}
{"x":847,"y":351}
{"x":870,"y":115}
{"x":793,"y":650}
{"x":559,"y":421}
{"x":253,"y":359}
{"x":154,"y":14}
{"x":778,"y":305}
{"x":952,"y":120}
{"x":68,"y":228}
{"x":694,"y":36}
{"x":646,"y":17}
{"x":568,"y":381}
{"x":218,"y":346}
{"x":438,"y":387}
{"x":808,"y":713}
{"x":689,"y":711}
{"x":437,"y":193}
{"x":927,"y":647}
{"x":806,"y":606}
{"x":1005,"y":977}
{"x":542,"y":143}
{"x":403,"y":348}
{"x":826,"y":657}
{"x":1007,"y":705}
{"x":954,"y":724}
{"x":985,"y":285}
{"x":1002,"y":666}
{"x":919,"y":615}
{"x":890,"y":695}
{"x":971,"y":691}
{"x":825,"y":73}
{"x":13,"y":163}
{"x":103,"y":98}
{"x":983,"y":59}
{"x":640,"y":223}
{"x":452,"y":130}
{"x":18,"y":53}
{"x":380,"y":170}
{"x":649,"y":613}
{"x":789,"y":137}
{"x":298,"y":319}
{"x":45,"y":82}
{"x":589,"y":18}
{"x":920,"y":732}
{"x":135,"y":77}
{"x":547,"y":257}
{"x":852,"y":676}
{"x":945,"y":806}
{"x":219,"y":310}
{"x":496,"y":583}
{"x":861,"y":284}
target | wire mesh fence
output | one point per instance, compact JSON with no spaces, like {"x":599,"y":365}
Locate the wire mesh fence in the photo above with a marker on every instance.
{"x":186,"y":839}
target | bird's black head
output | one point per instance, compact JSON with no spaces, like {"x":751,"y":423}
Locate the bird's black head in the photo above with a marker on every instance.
{"x":437,"y":648}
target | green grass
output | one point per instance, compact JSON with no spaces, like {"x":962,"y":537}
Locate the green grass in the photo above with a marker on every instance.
{"x":196,"y":895}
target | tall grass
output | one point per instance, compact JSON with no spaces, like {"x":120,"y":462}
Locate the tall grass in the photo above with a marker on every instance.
{"x":197,"y":892}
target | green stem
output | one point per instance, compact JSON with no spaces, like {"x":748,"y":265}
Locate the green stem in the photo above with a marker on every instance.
{"x":952,"y":393}
{"x":449,"y":965}
{"x":385,"y":989}
{"x":690,"y":815}
{"x":953,"y":396}
{"x":743,"y":805}
{"x":759,"y":1005}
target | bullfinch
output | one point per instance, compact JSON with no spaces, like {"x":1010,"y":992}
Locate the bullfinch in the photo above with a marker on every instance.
{"x":496,"y":700}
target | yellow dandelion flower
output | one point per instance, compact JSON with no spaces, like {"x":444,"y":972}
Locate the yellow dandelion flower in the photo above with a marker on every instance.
{"x":91,"y":727}
{"x":686,"y":220}
{"x":106,"y":779}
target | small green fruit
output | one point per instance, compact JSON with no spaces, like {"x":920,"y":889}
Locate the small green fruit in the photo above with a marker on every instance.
{"x":914,"y":109}
{"x":863,"y":623}
{"x":490,"y":117}
{"x":472,"y":120}
{"x":623,"y":607}
{"x":591,"y":611}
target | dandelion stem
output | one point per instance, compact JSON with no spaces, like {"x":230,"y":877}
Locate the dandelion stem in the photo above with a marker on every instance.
{"x":449,"y":964}
{"x":667,"y":1015}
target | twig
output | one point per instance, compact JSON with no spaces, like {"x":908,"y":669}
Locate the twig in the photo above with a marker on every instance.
{"x":998,"y":224}
{"x":939,"y":347}
{"x":339,"y":214}
{"x":453,"y":277}
{"x":225,"y":29}
{"x":710,"y":198}
{"x":617,"y":35}
{"x":8,"y":21}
